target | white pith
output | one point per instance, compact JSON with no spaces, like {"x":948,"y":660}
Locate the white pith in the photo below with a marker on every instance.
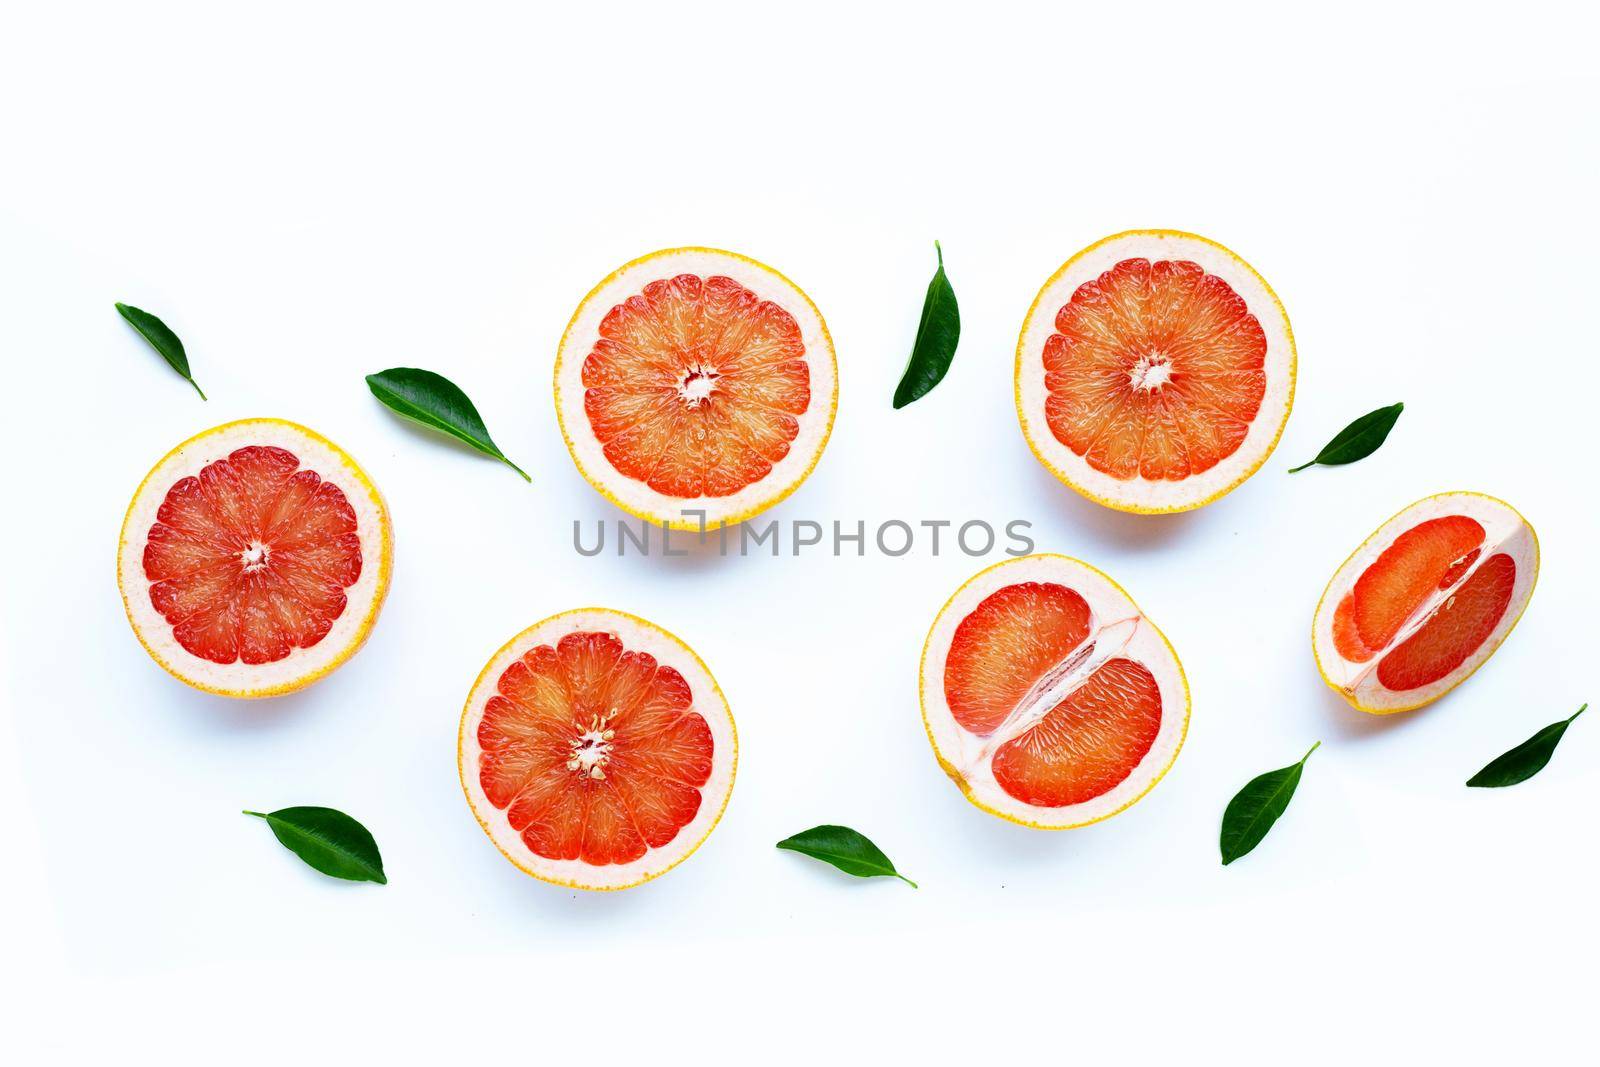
{"x":636,"y":635}
{"x":637,"y":497}
{"x":1138,"y":493}
{"x":1117,"y":628}
{"x":239,"y":678}
{"x":1504,"y":531}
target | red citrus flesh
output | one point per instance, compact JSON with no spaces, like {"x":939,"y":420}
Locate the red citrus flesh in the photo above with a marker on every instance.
{"x":1156,"y":370}
{"x":1011,"y":639}
{"x":1429,"y":558}
{"x":1463,"y":622}
{"x":1424,"y":559}
{"x":1090,"y":741}
{"x":250,"y":559}
{"x":695,"y":385}
{"x":594,"y":752}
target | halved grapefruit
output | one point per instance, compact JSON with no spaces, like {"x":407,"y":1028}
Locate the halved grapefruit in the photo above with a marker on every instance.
{"x":696,"y":380}
{"x":1424,"y":601}
{"x":1155,"y":371}
{"x":596,"y":750}
{"x":1049,"y":697}
{"x":254,"y":558}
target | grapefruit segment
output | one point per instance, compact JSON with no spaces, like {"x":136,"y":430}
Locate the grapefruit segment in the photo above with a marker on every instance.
{"x":596,"y":750}
{"x":1089,"y":743}
{"x":1455,"y":630}
{"x":1154,"y":372}
{"x":1048,"y":696}
{"x":1012,"y":639}
{"x":1424,"y":601}
{"x":695,"y":380}
{"x":254,"y":558}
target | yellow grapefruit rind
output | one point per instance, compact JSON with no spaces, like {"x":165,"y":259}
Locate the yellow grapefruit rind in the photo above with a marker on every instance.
{"x":1493,"y":644}
{"x":955,"y":774}
{"x":363,"y":631}
{"x":680,"y":523}
{"x":495,"y":664}
{"x":1122,"y":505}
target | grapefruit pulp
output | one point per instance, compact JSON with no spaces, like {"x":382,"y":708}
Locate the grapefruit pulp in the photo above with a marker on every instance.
{"x":254,"y":558}
{"x":1155,"y":371}
{"x":1048,"y":697}
{"x":596,"y":750}
{"x":695,"y":380}
{"x":1424,"y":601}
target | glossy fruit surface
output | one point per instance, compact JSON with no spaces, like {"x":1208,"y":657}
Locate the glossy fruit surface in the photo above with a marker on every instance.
{"x":254,"y":558}
{"x":1048,"y":696}
{"x":1155,"y":371}
{"x":1424,"y":601}
{"x":596,"y":750}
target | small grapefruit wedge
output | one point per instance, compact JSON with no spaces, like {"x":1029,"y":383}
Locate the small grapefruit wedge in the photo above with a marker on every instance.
{"x":1424,"y":601}
{"x":1048,"y":696}
{"x":254,"y":558}
{"x":1155,"y":371}
{"x":596,"y":750}
{"x":695,"y":381}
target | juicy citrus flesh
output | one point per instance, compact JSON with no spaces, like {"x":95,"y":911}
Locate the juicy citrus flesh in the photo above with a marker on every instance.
{"x":594,"y":752}
{"x":1434,"y":556}
{"x":1156,"y":370}
{"x":250,"y":559}
{"x":695,"y":386}
{"x":1010,"y":645}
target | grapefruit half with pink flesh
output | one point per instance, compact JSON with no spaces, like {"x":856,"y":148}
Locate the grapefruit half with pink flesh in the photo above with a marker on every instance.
{"x":596,"y":750}
{"x":1155,"y":371}
{"x":1424,"y":601}
{"x":695,"y":382}
{"x":254,"y":558}
{"x":1049,"y":697}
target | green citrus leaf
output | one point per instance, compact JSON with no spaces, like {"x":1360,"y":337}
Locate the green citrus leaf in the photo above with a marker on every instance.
{"x":437,"y":403}
{"x":1253,"y":810}
{"x":1358,"y":440}
{"x":1524,"y":761}
{"x":846,"y":849}
{"x":328,"y":840}
{"x":162,"y":339}
{"x":937,"y":335}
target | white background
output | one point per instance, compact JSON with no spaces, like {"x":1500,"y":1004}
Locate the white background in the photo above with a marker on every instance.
{"x":308,"y":193}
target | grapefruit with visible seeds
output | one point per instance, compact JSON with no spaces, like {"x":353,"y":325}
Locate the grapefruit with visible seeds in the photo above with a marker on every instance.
{"x":596,"y":750}
{"x":1424,"y":601}
{"x":254,"y":558}
{"x":1048,"y":696}
{"x":1155,"y":371}
{"x":696,"y":380}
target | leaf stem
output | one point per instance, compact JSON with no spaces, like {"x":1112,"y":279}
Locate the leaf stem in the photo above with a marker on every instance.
{"x":1310,"y":750}
{"x":257,"y":814}
{"x":906,"y":880}
{"x":1303,"y":466}
{"x":1580,"y":711}
{"x":518,"y":469}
